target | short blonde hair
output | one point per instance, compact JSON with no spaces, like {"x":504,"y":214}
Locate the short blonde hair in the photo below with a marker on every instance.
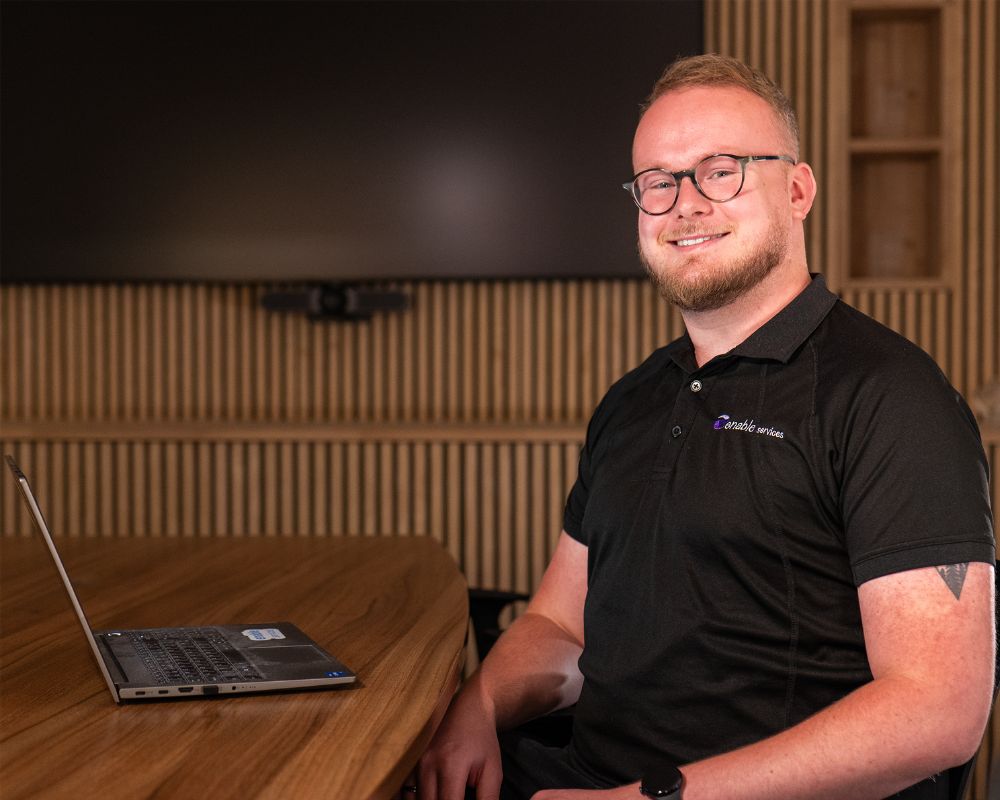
{"x":712,"y":69}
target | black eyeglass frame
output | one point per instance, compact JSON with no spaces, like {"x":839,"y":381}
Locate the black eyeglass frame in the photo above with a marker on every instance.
{"x":632,"y":186}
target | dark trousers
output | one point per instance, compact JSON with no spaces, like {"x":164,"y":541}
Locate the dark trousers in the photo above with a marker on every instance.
{"x":529,"y":766}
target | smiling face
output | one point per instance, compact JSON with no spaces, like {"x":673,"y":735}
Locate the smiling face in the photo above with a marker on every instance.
{"x":704,"y":255}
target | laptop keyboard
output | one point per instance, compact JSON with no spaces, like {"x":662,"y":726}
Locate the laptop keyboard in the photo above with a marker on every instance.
{"x":191,"y":655}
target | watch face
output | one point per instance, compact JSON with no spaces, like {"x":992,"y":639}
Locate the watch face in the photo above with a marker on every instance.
{"x":661,"y":781}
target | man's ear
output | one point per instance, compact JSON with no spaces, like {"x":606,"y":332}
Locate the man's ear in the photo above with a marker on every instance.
{"x":802,"y":190}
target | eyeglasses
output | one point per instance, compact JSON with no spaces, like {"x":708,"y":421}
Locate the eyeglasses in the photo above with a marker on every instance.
{"x":718,"y":178}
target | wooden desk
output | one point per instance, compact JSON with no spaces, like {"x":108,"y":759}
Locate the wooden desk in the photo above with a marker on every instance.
{"x":394,"y":610}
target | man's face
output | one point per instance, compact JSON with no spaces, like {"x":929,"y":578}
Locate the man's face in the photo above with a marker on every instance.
{"x":704,"y":255}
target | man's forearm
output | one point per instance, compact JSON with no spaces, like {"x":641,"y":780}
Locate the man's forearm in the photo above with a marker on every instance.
{"x":531,"y":671}
{"x":843,"y":751}
{"x":931,"y":649}
{"x":881,"y":738}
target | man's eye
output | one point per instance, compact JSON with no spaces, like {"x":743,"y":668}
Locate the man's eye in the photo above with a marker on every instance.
{"x":660,"y":186}
{"x":718,"y":174}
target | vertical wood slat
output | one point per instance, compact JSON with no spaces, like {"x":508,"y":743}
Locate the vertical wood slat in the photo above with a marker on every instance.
{"x":967,"y":279}
{"x":8,"y":343}
{"x":991,"y":188}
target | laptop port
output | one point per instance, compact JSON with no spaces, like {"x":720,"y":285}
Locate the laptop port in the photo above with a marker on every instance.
{"x":185,"y":688}
{"x":139,"y":691}
{"x":163,"y":691}
{"x":209,"y":689}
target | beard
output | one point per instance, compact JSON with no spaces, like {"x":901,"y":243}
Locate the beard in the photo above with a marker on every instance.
{"x":714,"y":288}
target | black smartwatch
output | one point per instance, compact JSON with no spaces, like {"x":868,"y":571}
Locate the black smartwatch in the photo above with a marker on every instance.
{"x":663,"y":781}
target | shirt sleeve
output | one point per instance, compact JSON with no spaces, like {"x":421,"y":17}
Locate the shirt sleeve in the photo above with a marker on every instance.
{"x":915,"y":480}
{"x":576,"y":503}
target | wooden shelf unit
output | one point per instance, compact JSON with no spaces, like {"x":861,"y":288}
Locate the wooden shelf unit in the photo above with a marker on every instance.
{"x":900,"y":97}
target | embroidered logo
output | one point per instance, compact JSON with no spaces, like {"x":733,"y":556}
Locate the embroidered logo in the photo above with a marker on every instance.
{"x":724,"y":423}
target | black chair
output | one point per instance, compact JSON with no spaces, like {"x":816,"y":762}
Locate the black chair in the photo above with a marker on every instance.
{"x":485,"y":608}
{"x":958,"y":780}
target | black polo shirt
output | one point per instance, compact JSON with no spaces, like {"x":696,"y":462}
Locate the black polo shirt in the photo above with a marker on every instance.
{"x":730,"y":513}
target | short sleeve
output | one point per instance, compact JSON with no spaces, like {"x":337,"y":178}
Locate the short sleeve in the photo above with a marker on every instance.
{"x":915,"y":480}
{"x":576,"y":503}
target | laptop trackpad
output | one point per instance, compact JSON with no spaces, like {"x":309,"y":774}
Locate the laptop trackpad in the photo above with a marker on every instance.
{"x":288,"y":654}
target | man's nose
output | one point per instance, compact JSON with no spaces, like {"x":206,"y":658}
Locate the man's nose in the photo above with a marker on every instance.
{"x":690,"y":202}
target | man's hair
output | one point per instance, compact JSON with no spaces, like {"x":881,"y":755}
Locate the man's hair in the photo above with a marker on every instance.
{"x":712,"y":69}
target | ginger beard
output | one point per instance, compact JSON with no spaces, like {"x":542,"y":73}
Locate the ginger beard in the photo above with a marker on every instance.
{"x":700,"y":287}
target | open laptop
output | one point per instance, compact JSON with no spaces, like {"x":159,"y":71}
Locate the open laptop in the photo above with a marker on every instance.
{"x":214,"y":660}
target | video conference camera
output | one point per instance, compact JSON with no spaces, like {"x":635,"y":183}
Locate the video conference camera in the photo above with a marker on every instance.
{"x":337,"y":301}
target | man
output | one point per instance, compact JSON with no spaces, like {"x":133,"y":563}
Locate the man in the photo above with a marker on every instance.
{"x":776,"y":571}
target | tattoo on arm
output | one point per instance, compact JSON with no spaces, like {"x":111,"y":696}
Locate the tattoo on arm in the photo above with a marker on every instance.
{"x":954,"y":576}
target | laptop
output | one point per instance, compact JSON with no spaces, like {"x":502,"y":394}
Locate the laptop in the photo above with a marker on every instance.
{"x":205,"y":661}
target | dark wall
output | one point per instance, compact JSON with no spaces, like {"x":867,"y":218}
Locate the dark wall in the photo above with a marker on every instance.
{"x":287,"y":141}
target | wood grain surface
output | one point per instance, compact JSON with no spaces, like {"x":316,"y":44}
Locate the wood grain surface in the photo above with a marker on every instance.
{"x":394,"y":610}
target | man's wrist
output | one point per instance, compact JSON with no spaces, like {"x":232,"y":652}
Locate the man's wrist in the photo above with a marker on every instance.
{"x":474,"y":700}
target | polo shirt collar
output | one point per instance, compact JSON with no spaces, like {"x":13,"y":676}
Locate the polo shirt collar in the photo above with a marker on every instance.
{"x":779,"y":337}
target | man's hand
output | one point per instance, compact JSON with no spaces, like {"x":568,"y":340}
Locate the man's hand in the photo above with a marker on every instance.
{"x":630,"y":792}
{"x":464,"y":752}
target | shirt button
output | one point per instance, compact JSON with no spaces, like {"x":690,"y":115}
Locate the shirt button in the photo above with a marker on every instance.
{"x":695,"y":386}
{"x":676,"y":431}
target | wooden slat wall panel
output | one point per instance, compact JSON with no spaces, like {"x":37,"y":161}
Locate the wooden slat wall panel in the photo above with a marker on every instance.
{"x":495,"y":505}
{"x":468,"y":351}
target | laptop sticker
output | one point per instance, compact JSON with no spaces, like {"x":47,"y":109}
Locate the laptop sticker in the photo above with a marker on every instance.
{"x":262,"y":634}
